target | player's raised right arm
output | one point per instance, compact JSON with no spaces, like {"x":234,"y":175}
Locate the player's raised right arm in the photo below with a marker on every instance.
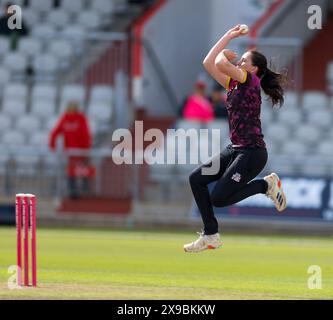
{"x":209,"y":61}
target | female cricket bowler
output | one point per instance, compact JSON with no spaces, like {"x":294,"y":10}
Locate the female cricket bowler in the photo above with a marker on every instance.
{"x":246,"y":156}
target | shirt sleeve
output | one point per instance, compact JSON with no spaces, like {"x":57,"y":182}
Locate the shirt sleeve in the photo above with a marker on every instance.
{"x":247,"y":78}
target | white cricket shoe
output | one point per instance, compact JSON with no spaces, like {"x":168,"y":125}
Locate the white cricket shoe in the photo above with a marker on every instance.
{"x":203,"y":243}
{"x":275,"y":191}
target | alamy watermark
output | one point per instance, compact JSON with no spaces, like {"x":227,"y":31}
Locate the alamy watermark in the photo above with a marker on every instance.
{"x":14,"y":272}
{"x":315,"y":280}
{"x":179,"y":146}
{"x":15,"y":18}
{"x":315,"y":21}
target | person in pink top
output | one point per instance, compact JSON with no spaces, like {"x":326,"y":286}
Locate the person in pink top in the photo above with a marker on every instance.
{"x":197,"y":106}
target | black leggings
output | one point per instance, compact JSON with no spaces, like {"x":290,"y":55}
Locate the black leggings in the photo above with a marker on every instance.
{"x":237,"y":167}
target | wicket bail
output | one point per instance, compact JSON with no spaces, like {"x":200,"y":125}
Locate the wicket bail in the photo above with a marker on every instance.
{"x":25,"y":206}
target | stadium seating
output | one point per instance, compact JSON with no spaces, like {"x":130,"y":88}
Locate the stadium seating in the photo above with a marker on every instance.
{"x":30,"y":46}
{"x":4,"y":78}
{"x":45,"y":67}
{"x":13,"y":139}
{"x":50,"y":123}
{"x":4,"y":46}
{"x":314,"y":100}
{"x":41,"y":5}
{"x":89,"y":19}
{"x":43,"y":109}
{"x":44,"y":92}
{"x":51,"y":49}
{"x":101,"y":112}
{"x":5,"y":123}
{"x":101,"y":93}
{"x":15,"y":62}
{"x":72,"y":92}
{"x":72,"y":6}
{"x":58,"y":18}
{"x":31,"y":17}
{"x":39,"y":139}
{"x":27,"y":124}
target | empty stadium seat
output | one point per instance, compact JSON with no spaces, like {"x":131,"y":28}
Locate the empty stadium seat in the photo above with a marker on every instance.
{"x":291,"y":99}
{"x":26,"y":164}
{"x":41,"y":5}
{"x":13,"y":139}
{"x":71,"y":92}
{"x":104,"y":7}
{"x":272,"y":146}
{"x":101,"y":93}
{"x":74,"y":32}
{"x":89,"y":19}
{"x":45,"y":67}
{"x":93,"y":126}
{"x":5,"y":123}
{"x":266,"y":115}
{"x":308,"y":134}
{"x":322,"y":119}
{"x":27,"y":124}
{"x":325,"y":148}
{"x":44,"y":31}
{"x":58,"y":18}
{"x":31,"y":17}
{"x":62,"y":49}
{"x":13,"y":108}
{"x":278,"y":132}
{"x":100,"y":111}
{"x":43,"y":109}
{"x":72,"y":6}
{"x":4,"y":46}
{"x":39,"y":139}
{"x":4,"y":77}
{"x":50,"y":123}
{"x":16,"y":91}
{"x":294,"y":147}
{"x":313,"y":100}
{"x":16,"y":2}
{"x":30,"y":46}
{"x":44,"y":92}
{"x":285,"y":167}
{"x":15,"y":62}
{"x":290,"y":117}
{"x":4,"y":161}
{"x":313,"y":166}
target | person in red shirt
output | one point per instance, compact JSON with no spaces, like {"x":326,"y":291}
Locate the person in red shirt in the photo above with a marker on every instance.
{"x":197,"y":107}
{"x":73,"y":126}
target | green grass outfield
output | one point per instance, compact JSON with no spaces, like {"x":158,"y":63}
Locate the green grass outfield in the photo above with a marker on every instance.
{"x":108,"y":264}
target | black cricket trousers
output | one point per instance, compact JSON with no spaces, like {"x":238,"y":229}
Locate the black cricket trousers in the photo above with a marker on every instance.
{"x":237,"y":167}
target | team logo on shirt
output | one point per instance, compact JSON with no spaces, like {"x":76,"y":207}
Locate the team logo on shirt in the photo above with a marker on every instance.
{"x":236,"y":177}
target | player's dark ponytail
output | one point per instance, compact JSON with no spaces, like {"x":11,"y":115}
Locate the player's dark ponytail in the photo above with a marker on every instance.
{"x":271,"y":82}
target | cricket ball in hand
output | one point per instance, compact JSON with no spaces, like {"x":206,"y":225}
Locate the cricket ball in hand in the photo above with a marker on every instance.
{"x":244,"y":29}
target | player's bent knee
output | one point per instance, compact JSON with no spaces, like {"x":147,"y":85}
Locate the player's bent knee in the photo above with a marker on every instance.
{"x":217,"y":200}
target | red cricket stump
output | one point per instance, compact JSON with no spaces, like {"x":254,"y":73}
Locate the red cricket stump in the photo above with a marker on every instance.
{"x":18,"y":217}
{"x":26,"y":239}
{"x":32,"y":205}
{"x":25,"y":206}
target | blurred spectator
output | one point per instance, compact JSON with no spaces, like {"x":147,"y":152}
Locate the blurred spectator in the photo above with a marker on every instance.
{"x":74,"y":128}
{"x":218,"y":101}
{"x":197,"y":107}
{"x":14,"y":34}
